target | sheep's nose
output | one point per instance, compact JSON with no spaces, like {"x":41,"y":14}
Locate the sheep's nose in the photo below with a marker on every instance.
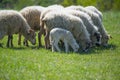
{"x":97,"y":44}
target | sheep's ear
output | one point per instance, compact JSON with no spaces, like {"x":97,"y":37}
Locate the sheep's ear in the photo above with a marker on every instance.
{"x":30,"y":31}
{"x":110,"y":36}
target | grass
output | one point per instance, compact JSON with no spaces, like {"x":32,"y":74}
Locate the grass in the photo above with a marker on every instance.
{"x":30,"y":63}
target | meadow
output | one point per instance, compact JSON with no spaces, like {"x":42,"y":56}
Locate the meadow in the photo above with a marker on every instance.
{"x":31,"y":63}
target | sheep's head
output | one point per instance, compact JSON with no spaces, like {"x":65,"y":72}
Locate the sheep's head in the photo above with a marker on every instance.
{"x":86,"y":44}
{"x":31,"y":36}
{"x":105,"y":39}
{"x":75,"y":47}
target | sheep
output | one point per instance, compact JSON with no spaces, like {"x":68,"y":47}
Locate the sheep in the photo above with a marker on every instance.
{"x":47,"y":10}
{"x":92,"y":29}
{"x":12,"y":22}
{"x":57,"y":34}
{"x":94,"y":9}
{"x":97,"y":22}
{"x":66,"y":21}
{"x":32,"y":15}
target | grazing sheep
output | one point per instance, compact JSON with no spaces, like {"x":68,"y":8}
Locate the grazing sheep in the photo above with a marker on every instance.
{"x":47,"y":10}
{"x":67,"y":21}
{"x":92,"y":29}
{"x":12,"y":22}
{"x":57,"y":34}
{"x":97,"y":22}
{"x":94,"y":9}
{"x":32,"y":15}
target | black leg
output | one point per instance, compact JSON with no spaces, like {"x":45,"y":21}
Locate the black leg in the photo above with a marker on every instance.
{"x":19,"y":39}
{"x":39,"y":39}
{"x":25,"y":42}
{"x":8,"y":41}
{"x":11,"y":39}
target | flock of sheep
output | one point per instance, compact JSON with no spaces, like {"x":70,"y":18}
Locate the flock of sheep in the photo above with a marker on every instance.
{"x":76,"y":26}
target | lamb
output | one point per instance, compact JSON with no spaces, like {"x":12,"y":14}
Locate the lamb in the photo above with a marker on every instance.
{"x":97,"y":22}
{"x":92,"y":29}
{"x":66,"y":21}
{"x":12,"y":22}
{"x":32,"y":15}
{"x":57,"y":34}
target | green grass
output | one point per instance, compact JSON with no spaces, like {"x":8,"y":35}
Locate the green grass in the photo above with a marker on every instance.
{"x":30,"y":63}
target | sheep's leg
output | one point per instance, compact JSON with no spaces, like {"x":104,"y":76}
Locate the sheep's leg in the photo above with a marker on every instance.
{"x":53,"y":47}
{"x":48,"y":42}
{"x":42,"y":31}
{"x":39,"y":39}
{"x":46,"y":39}
{"x":56,"y":45}
{"x":19,"y":39}
{"x":8,"y":41}
{"x":25,"y":42}
{"x":11,"y":39}
{"x":66,"y":46}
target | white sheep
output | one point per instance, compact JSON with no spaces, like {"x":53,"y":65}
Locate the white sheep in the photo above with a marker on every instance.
{"x":97,"y":22}
{"x":12,"y":22}
{"x":32,"y":15}
{"x":92,"y":29}
{"x":57,"y":34}
{"x":67,"y":21}
{"x":48,"y":9}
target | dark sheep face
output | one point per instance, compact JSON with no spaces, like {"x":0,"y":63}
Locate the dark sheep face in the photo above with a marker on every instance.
{"x":31,"y":36}
{"x":98,"y":39}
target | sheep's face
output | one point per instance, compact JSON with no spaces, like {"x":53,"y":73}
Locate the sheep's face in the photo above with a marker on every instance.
{"x":75,"y":47}
{"x":85,"y":45}
{"x":105,"y":40}
{"x":98,"y":39}
{"x":31,"y":36}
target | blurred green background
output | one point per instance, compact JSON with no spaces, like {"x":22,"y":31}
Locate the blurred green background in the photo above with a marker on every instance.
{"x":103,"y":5}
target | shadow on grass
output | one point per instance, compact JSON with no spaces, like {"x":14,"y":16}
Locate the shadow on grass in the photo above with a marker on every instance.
{"x":26,"y":47}
{"x":93,"y":50}
{"x":97,"y":50}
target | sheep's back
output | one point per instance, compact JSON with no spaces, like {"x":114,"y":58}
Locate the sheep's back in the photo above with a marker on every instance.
{"x":11,"y":21}
{"x":32,"y":15}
